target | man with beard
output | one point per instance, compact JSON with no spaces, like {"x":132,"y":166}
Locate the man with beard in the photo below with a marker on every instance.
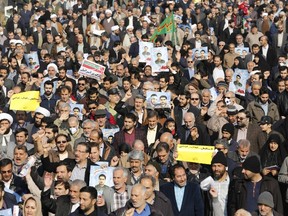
{"x":108,"y":21}
{"x":116,"y":197}
{"x":32,"y":128}
{"x":130,"y":133}
{"x":58,"y":45}
{"x":88,"y":198}
{"x":63,"y":150}
{"x":52,"y":71}
{"x":242,"y":153}
{"x":13,"y":69}
{"x":183,"y":107}
{"x":136,"y":159}
{"x":63,"y":75}
{"x":247,"y":130}
{"x":220,"y":186}
{"x":88,"y":125}
{"x":263,"y":106}
{"x":48,"y":99}
{"x":184,"y":196}
{"x":244,"y":193}
{"x":6,"y":134}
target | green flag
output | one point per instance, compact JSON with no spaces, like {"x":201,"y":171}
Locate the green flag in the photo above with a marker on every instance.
{"x":166,"y":26}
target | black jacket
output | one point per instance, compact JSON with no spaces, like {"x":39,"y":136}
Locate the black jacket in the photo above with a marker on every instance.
{"x":238,"y":193}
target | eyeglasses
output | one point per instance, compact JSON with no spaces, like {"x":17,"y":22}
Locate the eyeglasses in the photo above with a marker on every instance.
{"x":63,"y":141}
{"x":81,"y":84}
{"x":92,"y":108}
{"x":8,"y":171}
{"x":195,"y":99}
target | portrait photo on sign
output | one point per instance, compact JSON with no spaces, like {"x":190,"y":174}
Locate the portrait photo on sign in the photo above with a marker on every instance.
{"x":239,"y":79}
{"x":32,"y":60}
{"x":96,"y":171}
{"x":242,"y":51}
{"x":159,"y":59}
{"x":145,"y":51}
{"x":200,"y":53}
{"x":158,"y":100}
{"x":76,"y":110}
{"x":108,"y":134}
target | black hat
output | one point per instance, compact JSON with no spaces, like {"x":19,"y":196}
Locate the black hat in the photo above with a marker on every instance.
{"x":113,"y":91}
{"x":228,"y":127}
{"x":266,"y":120}
{"x":100,"y":112}
{"x":252,"y":164}
{"x":219,"y":158}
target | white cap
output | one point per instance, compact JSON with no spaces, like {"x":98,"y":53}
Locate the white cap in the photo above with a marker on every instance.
{"x":130,"y":27}
{"x":12,"y":41}
{"x":19,"y":42}
{"x":94,"y":17}
{"x":53,"y":16}
{"x":7,"y":117}
{"x":54,"y":66}
{"x":114,"y":28}
{"x":108,"y":11}
{"x":264,"y":14}
{"x":43,"y":111}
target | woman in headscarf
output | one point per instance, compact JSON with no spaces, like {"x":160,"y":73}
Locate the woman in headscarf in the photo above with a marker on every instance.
{"x":272,"y":155}
{"x":32,"y":207}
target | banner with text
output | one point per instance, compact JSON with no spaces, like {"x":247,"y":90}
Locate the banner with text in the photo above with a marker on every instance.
{"x":26,"y":101}
{"x":92,"y":70}
{"x":195,"y":153}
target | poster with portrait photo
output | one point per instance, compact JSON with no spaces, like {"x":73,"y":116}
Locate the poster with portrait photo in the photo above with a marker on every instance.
{"x":159,"y":59}
{"x":158,"y":100}
{"x":32,"y":60}
{"x":76,"y":110}
{"x":200,"y":53}
{"x":239,"y":79}
{"x":96,"y":171}
{"x":242,"y":51}
{"x":108,"y":134}
{"x":145,"y":51}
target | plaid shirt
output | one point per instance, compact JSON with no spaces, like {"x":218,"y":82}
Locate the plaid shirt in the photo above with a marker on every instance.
{"x":120,"y":199}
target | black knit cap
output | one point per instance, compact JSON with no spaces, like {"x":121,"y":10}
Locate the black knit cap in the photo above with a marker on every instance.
{"x":228,"y":128}
{"x":252,"y":164}
{"x":219,"y":158}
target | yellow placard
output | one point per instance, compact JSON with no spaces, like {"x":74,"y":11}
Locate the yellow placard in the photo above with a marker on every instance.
{"x":195,"y":153}
{"x":26,"y":101}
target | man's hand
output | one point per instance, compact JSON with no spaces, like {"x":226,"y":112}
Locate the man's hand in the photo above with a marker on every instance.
{"x":48,"y":180}
{"x":130,"y":212}
{"x":213,"y":192}
{"x":114,"y":161}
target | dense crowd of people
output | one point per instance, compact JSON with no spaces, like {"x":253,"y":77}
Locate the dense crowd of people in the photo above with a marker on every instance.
{"x":220,"y":79}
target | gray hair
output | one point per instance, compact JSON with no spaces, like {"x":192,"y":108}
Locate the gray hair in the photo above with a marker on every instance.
{"x":64,"y":105}
{"x":79,"y":183}
{"x":244,"y":143}
{"x":87,"y":121}
{"x":136,"y":155}
{"x":223,"y":142}
{"x":143,"y":189}
{"x":151,"y":178}
{"x":124,"y":170}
